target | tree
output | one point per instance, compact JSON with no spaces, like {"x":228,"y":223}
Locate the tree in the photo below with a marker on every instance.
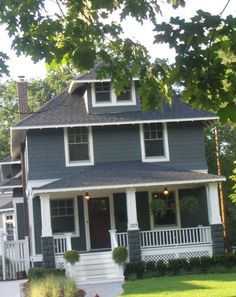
{"x":39,"y":92}
{"x":80,"y":34}
{"x":227,"y":141}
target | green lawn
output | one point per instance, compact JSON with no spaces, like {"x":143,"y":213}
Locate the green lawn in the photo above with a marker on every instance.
{"x":207,"y":285}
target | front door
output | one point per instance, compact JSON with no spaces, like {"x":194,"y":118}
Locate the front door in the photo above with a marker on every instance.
{"x":99,"y":223}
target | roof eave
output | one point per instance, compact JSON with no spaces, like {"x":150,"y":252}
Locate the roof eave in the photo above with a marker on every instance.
{"x":108,"y":187}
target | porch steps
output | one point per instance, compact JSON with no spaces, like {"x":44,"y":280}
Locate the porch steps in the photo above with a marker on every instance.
{"x":95,"y":268}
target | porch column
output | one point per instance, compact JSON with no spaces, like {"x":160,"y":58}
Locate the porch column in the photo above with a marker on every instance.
{"x":133,"y":229}
{"x":215,"y":218}
{"x":47,"y":238}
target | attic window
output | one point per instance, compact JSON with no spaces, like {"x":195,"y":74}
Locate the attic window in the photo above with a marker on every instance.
{"x":103,"y":95}
{"x":102,"y":91}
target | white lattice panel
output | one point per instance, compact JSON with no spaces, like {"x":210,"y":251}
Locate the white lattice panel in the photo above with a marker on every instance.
{"x":190,"y":255}
{"x":156,"y":258}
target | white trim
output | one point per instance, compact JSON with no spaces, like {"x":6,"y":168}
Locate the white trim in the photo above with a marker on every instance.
{"x":132,"y":219}
{"x":86,"y":224}
{"x":45,"y":216}
{"x":113,"y":97}
{"x":73,"y":83}
{"x":10,"y":162}
{"x":213,"y":204}
{"x":117,"y":123}
{"x":112,"y":212}
{"x":11,"y":187}
{"x":7,"y":209}
{"x":166,"y":156}
{"x":201,"y":170}
{"x":90,"y":148}
{"x":173,"y":183}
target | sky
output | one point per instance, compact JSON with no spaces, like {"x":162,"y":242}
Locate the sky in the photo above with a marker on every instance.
{"x":24,"y":66}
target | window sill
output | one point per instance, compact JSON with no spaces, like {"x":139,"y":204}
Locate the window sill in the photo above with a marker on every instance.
{"x":110,"y":104}
{"x":85,"y":163}
{"x":156,"y":159}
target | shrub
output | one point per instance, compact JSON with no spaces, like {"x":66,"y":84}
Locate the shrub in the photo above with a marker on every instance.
{"x":71,"y":256}
{"x":176,"y":266}
{"x":134,"y":268}
{"x":140,"y":268}
{"x":52,"y":286}
{"x":194,"y":263}
{"x":120,"y":255}
{"x":161,"y":268}
{"x":151,"y":266}
{"x":39,"y":273}
{"x":205,"y":263}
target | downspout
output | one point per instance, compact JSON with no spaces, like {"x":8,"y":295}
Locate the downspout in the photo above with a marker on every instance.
{"x":26,"y":209}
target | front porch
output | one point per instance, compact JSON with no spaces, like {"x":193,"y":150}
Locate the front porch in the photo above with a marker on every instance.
{"x":119,"y":215}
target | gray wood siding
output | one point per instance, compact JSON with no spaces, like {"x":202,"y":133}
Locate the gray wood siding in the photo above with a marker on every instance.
{"x":20,"y":220}
{"x":114,"y":143}
{"x":37,"y":225}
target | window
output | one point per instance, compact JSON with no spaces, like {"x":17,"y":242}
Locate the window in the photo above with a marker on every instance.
{"x":62,"y":215}
{"x":154,"y":143}
{"x":103,"y":94}
{"x":170,"y":216}
{"x":102,"y":91}
{"x":78,"y":146}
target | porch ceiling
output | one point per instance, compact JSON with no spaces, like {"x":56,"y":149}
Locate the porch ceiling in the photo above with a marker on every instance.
{"x":126,"y":174}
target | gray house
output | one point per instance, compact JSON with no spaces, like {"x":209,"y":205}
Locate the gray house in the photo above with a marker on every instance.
{"x":93,"y":164}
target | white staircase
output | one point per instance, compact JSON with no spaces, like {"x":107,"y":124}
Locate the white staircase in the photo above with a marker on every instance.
{"x":94,"y":268}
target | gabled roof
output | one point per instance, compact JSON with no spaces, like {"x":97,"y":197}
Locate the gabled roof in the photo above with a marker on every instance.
{"x":127,"y":174}
{"x":67,"y":110}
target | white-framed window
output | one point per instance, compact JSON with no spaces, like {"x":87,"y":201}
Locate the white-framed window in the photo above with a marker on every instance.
{"x":154,"y":142}
{"x":63,"y":215}
{"x":78,"y":146}
{"x":103,"y":94}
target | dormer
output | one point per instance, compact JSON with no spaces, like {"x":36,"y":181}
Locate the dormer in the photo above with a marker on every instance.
{"x":100,"y":95}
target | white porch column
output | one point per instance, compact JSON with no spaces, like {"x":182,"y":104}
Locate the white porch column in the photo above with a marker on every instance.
{"x":46,"y":216}
{"x":213,"y":204}
{"x":131,"y":209}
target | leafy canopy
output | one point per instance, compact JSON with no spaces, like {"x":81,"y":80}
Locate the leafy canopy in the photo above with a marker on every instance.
{"x":81,"y":33}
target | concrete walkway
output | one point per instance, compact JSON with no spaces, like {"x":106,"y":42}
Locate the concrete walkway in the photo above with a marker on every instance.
{"x":103,"y":290}
{"x":11,"y":288}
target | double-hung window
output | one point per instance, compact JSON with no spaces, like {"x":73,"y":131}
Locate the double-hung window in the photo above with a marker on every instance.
{"x":78,"y":146}
{"x":62,"y":215}
{"x":103,"y":92}
{"x":154,"y":142}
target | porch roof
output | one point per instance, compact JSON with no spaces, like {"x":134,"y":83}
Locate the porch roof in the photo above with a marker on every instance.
{"x":126,"y":174}
{"x":11,"y":183}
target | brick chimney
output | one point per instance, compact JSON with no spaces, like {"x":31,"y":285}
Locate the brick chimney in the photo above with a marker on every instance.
{"x":22,"y":97}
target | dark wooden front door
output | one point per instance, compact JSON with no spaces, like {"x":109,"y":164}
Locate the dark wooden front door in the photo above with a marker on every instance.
{"x":99,"y":223}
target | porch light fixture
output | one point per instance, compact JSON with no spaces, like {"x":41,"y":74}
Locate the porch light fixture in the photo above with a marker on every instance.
{"x":166,"y":192}
{"x":86,"y":196}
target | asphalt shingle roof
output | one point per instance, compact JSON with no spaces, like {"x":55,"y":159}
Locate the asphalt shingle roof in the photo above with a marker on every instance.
{"x":69,"y":109}
{"x":129,"y":173}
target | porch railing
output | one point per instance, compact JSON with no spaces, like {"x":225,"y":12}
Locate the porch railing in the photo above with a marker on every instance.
{"x":175,"y":237}
{"x":122,"y":239}
{"x":62,"y":243}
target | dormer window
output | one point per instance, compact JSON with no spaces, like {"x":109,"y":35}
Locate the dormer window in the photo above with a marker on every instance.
{"x":103,"y":94}
{"x":154,"y":142}
{"x":78,"y":146}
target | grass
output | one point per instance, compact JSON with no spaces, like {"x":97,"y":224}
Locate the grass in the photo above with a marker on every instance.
{"x":207,"y":285}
